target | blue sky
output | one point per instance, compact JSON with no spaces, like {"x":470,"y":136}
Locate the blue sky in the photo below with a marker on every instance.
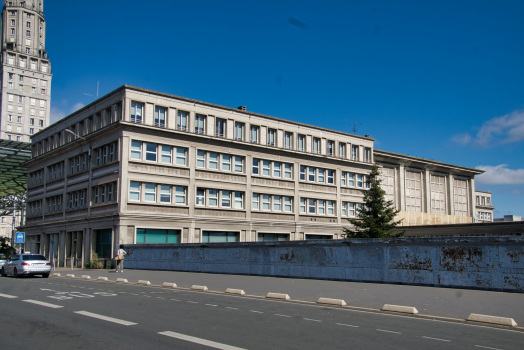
{"x":434,"y":79}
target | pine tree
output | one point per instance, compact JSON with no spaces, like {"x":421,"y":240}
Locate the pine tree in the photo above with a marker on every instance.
{"x":376,"y":218}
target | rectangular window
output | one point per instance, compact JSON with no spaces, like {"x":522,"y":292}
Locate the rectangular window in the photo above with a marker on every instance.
{"x":354,"y":152}
{"x":302,"y":173}
{"x":253,"y":134}
{"x":111,"y":152}
{"x":239,"y":131}
{"x":150,"y":192}
{"x":239,"y":200}
{"x":316,"y":145}
{"x":220,"y":128}
{"x":341,"y":150}
{"x":288,"y":204}
{"x":104,"y":155}
{"x":271,"y":137}
{"x":201,"y":159}
{"x":181,"y":156}
{"x":413,"y":191}
{"x":151,"y":150}
{"x":312,"y":206}
{"x":343,"y":179}
{"x":239,"y":164}
{"x":367,"y":155}
{"x":157,"y":236}
{"x":213,"y":161}
{"x":277,"y":203}
{"x":344,"y":209}
{"x":136,"y":112}
{"x":266,"y":202}
{"x":226,"y":162}
{"x":330,"y":207}
{"x":287,"y":171}
{"x":200,"y":197}
{"x":166,"y":154}
{"x":226,"y":199}
{"x":97,"y":190}
{"x":103,"y":194}
{"x":160,"y":116}
{"x":277,"y":169}
{"x":331,"y":177}
{"x":288,"y":140}
{"x":303,"y":205}
{"x":110,"y":192}
{"x":266,"y":168}
{"x":200,"y":124}
{"x":321,"y":206}
{"x":331,"y":148}
{"x":165,"y":194}
{"x":256,"y":163}
{"x":254,"y":203}
{"x":181,"y":121}
{"x":213,"y":198}
{"x":359,"y":181}
{"x":180,"y":195}
{"x":352,"y":209}
{"x":320,"y":176}
{"x":351,"y":179}
{"x":301,"y":143}
{"x":82,"y":193}
{"x":311,"y":176}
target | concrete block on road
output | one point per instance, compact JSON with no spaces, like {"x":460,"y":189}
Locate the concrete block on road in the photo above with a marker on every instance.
{"x":506,"y":321}
{"x":122,"y":280}
{"x":56,"y":274}
{"x":278,"y":296}
{"x":86,"y":277}
{"x":70,"y":275}
{"x":338,"y":302}
{"x":195,"y":287}
{"x":144,"y":282}
{"x":169,"y":285}
{"x":399,"y":308}
{"x":235,"y":291}
{"x":100,"y":278}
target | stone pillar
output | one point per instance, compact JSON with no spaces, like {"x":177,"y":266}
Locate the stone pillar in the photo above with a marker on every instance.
{"x":171,"y":118}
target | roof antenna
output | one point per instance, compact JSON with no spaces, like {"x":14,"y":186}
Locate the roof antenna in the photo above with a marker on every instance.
{"x":354,"y":125}
{"x":97,"y":84}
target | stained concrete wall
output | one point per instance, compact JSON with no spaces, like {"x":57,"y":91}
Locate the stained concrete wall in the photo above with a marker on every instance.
{"x":492,"y":263}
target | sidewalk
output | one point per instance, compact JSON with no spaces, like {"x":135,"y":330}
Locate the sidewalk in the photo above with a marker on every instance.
{"x":445,"y":302}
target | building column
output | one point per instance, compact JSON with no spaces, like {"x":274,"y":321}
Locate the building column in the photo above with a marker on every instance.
{"x":401,"y":188}
{"x":427,"y":191}
{"x":451,"y":199}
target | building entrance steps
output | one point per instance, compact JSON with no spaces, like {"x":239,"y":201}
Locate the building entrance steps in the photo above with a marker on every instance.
{"x":443,"y":302}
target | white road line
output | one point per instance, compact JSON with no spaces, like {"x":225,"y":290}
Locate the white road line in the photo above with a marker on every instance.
{"x":232,"y":308}
{"x":382,"y":330}
{"x":134,"y":294}
{"x":347,"y":325}
{"x":211,"y":305}
{"x":310,"y":319}
{"x":282,"y":315}
{"x":105,"y":318}
{"x":160,"y":298}
{"x":122,"y":292}
{"x":193,"y":302}
{"x":201,"y":341}
{"x":486,"y":347}
{"x":43,"y":304}
{"x":435,"y":338}
{"x":147,"y":296}
{"x":258,"y":312}
{"x":175,"y":299}
{"x":7,"y":296}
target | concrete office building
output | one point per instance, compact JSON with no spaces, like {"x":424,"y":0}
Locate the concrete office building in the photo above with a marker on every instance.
{"x":26,"y":71}
{"x":139,"y":166}
{"x":483,"y":206}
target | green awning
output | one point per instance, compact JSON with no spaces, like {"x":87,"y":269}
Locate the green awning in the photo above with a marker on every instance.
{"x":13,"y":174}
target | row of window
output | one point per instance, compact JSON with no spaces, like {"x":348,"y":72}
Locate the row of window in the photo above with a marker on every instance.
{"x":272,"y":169}
{"x":239,"y":133}
{"x":482,"y":200}
{"x":318,"y":175}
{"x":354,"y":180}
{"x":20,"y":99}
{"x":24,"y":79}
{"x":220,"y":161}
{"x":105,"y":154}
{"x":267,"y":202}
{"x":13,"y":137}
{"x":55,"y":171}
{"x":484,"y":216}
{"x":42,"y":91}
{"x":78,"y":164}
{"x":152,"y":152}
{"x":22,"y":62}
{"x":106,"y":193}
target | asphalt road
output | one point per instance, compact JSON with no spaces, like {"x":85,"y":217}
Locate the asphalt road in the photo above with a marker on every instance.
{"x":59,"y":313}
{"x":444,"y":302}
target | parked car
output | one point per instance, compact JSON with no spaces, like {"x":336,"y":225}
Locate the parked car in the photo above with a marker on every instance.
{"x":26,"y":265}
{"x":3,"y":260}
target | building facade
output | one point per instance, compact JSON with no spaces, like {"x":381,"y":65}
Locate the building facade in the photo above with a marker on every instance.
{"x":139,"y":166}
{"x":26,"y":71}
{"x":483,"y":207}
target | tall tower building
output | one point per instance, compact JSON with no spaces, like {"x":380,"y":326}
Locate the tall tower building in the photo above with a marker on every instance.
{"x":26,"y":70}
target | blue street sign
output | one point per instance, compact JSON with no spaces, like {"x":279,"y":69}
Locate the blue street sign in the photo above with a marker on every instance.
{"x":20,"y":237}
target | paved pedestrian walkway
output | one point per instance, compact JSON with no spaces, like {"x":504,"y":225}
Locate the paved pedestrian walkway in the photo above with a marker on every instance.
{"x":445,"y":302}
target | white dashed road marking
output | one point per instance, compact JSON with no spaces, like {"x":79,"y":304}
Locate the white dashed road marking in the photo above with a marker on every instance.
{"x":193,"y":302}
{"x":201,"y":341}
{"x":105,"y":318}
{"x":347,"y":325}
{"x":43,"y":304}
{"x":282,"y":315}
{"x":258,"y":312}
{"x":486,"y":347}
{"x":310,"y":319}
{"x":7,"y":296}
{"x":232,"y":308}
{"x":382,"y":330}
{"x":211,"y":305}
{"x":435,"y":338}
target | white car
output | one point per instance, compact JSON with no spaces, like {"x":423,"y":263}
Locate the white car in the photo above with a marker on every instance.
{"x":3,"y":260}
{"x":26,"y":265}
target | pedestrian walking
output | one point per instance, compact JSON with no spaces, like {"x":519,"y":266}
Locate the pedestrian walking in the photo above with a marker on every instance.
{"x":120,"y":259}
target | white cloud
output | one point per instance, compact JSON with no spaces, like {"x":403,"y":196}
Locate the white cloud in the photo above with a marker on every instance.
{"x":64,"y":110}
{"x":506,"y":129}
{"x":500,"y":175}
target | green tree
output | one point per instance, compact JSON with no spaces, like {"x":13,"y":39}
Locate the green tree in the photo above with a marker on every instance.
{"x":5,"y":247}
{"x":376,"y":218}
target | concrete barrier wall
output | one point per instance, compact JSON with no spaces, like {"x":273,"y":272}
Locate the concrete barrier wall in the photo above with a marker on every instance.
{"x":492,"y":263}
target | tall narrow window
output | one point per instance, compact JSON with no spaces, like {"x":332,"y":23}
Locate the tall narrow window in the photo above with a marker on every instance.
{"x":239,"y":164}
{"x":266,"y":168}
{"x":151,"y":149}
{"x":341,"y":150}
{"x":301,"y":143}
{"x":254,"y":203}
{"x":311,"y":174}
{"x":226,"y":162}
{"x":277,"y":169}
{"x":321,"y":207}
{"x":160,"y":117}
{"x":303,"y":205}
{"x":213,"y":161}
{"x":136,"y":112}
{"x":271,"y":137}
{"x":359,"y":180}
{"x":181,"y":156}
{"x":165,"y":194}
{"x":181,"y":121}
{"x":277,"y":203}
{"x":266,"y":202}
{"x":320,"y":177}
{"x":201,"y":197}
{"x":166,"y":154}
{"x":256,"y":164}
{"x":226,"y":199}
{"x":213,"y":198}
{"x":288,"y":140}
{"x":200,"y":124}
{"x":288,"y":206}
{"x":302,"y":173}
{"x":201,"y":159}
{"x":331,"y":148}
{"x":367,"y":155}
{"x":287,"y":171}
{"x":254,"y":134}
{"x":343,"y":178}
{"x":239,"y":200}
{"x":150,"y":192}
{"x":312,"y":206}
{"x":331,"y":177}
{"x":316,"y":145}
{"x":180,"y":195}
{"x":239,"y":131}
{"x":220,"y":128}
{"x":351,"y":179}
{"x":354,"y":152}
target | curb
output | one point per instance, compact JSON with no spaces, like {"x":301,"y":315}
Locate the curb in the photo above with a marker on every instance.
{"x":100,"y":278}
{"x":86,"y":277}
{"x":70,"y":275}
{"x":122,"y":280}
{"x":278,"y":296}
{"x":399,"y":308}
{"x":169,"y":285}
{"x":195,"y":287}
{"x":505,"y":321}
{"x":339,"y":302}
{"x":235,"y":291}
{"x":144,"y":282}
